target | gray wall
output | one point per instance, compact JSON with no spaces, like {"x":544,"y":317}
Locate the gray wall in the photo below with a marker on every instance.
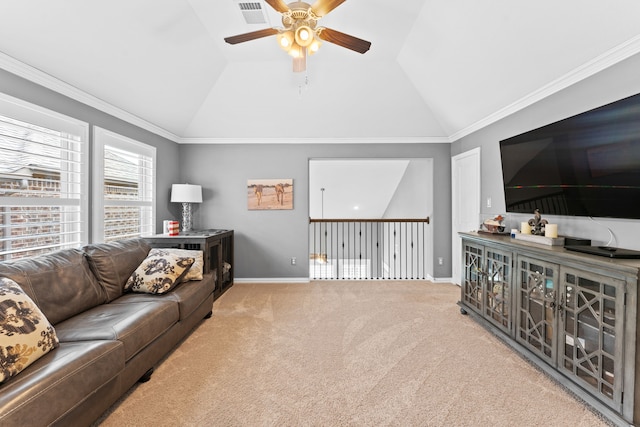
{"x":167,"y":151}
{"x":412,"y":198}
{"x":265,"y":241}
{"x":616,"y":82}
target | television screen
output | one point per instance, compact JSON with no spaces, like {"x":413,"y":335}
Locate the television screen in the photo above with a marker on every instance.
{"x":585,"y":165}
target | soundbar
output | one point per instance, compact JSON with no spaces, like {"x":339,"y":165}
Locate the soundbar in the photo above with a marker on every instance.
{"x":605,"y":251}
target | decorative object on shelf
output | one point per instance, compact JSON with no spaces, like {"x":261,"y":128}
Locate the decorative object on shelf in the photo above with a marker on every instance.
{"x":538,"y":230}
{"x":170,"y":228}
{"x":174,"y":228}
{"x":543,"y":240}
{"x":537,"y":224}
{"x":551,"y":230}
{"x":265,"y":194}
{"x":186,"y":194}
{"x":494,"y":225}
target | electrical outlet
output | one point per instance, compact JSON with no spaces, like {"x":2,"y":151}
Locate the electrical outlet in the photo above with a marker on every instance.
{"x":440,"y":261}
{"x":488,"y":202}
{"x":293,"y":261}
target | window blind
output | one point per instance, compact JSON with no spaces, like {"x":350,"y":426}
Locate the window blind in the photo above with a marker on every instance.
{"x":126,"y":187}
{"x":42,"y":182}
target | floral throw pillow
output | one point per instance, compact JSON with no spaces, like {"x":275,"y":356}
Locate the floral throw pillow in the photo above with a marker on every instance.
{"x":25,"y":334}
{"x":195,"y":272}
{"x":158,"y":274}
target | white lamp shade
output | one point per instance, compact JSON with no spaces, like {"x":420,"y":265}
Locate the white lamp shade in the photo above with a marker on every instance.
{"x":181,"y":193}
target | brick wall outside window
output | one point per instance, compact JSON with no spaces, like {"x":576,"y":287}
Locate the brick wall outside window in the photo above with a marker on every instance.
{"x":42,"y":225}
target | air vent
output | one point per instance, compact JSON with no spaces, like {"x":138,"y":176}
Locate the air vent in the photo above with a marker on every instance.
{"x":252,"y":12}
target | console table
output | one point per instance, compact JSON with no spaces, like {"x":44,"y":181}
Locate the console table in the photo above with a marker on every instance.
{"x":217,"y":248}
{"x":573,"y":315}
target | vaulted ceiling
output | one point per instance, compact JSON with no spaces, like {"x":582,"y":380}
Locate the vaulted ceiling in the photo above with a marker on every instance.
{"x":437,"y":69}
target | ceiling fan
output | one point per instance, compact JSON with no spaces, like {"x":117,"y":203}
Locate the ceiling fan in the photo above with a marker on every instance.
{"x":301,"y":34}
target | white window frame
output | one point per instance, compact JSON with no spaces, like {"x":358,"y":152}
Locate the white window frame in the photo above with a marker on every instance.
{"x":102,"y":138}
{"x":24,"y":111}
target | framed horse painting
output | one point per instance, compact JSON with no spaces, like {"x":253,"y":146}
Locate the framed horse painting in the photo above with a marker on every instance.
{"x":265,"y":194}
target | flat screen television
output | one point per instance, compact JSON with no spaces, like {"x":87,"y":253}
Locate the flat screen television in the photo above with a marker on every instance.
{"x":585,"y":165}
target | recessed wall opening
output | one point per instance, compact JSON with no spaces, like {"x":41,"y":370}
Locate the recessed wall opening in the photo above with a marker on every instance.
{"x":369,"y":219}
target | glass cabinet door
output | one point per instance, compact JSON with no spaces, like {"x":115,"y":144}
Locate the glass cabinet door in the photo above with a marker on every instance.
{"x":497,"y":290}
{"x":536,"y":285}
{"x":592,"y":313}
{"x":473,"y":275}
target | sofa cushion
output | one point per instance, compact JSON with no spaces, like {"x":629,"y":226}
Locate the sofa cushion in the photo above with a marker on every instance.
{"x":57,"y":382}
{"x":159,"y":273}
{"x":188,"y":296}
{"x":136,"y":324}
{"x":60,"y":283}
{"x":196,"y":270}
{"x":25,"y":334}
{"x":114,"y":262}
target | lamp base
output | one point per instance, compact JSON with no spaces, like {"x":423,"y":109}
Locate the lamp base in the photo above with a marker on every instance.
{"x":186,"y":216}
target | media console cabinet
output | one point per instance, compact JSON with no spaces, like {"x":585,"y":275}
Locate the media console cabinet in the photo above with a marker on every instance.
{"x":573,"y":315}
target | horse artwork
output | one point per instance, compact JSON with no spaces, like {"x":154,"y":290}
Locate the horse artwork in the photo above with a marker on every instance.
{"x":266,"y":194}
{"x":280,"y":193}
{"x":257,"y":190}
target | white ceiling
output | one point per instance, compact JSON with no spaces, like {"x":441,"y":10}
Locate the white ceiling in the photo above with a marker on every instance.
{"x":437,"y":69}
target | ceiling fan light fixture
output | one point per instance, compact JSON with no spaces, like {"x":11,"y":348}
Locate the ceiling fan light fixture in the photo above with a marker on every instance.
{"x":285,"y":40}
{"x":304,"y":35}
{"x":300,"y":34}
{"x":314,"y":46}
{"x":297,"y":51}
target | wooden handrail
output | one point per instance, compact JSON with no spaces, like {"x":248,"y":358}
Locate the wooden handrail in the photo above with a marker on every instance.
{"x":311,"y":220}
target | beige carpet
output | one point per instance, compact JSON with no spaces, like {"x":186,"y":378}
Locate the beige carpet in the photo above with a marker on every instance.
{"x":345,"y":354}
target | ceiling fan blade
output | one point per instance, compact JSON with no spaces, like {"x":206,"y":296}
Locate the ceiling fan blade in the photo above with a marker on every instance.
{"x":278,"y":5}
{"x":322,"y":7}
{"x":344,"y":40}
{"x":241,"y":38}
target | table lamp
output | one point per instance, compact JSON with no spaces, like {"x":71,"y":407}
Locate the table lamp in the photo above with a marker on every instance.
{"x":186,"y":194}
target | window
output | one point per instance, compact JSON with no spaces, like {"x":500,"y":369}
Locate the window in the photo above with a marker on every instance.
{"x":124,"y":187}
{"x":43,"y":175}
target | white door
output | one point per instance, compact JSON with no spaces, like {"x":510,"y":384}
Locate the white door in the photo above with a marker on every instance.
{"x":465,"y":197}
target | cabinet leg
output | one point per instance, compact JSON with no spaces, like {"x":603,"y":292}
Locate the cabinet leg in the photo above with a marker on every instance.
{"x":463,"y":311}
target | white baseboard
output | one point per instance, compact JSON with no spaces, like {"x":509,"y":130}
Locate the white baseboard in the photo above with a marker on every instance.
{"x":440,"y":279}
{"x":272,"y":280}
{"x":307,"y":280}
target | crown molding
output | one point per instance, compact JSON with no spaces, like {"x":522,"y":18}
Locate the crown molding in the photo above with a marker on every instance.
{"x":358,"y":140}
{"x":41,"y":78}
{"x":588,"y":69}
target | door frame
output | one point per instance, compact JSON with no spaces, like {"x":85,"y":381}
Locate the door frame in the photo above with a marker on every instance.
{"x":457,"y":188}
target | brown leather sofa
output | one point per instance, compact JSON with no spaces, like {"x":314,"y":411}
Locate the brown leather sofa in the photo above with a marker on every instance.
{"x":109,"y":339}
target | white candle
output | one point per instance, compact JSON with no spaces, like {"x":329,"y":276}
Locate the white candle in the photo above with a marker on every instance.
{"x":525,"y":228}
{"x":551,"y":230}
